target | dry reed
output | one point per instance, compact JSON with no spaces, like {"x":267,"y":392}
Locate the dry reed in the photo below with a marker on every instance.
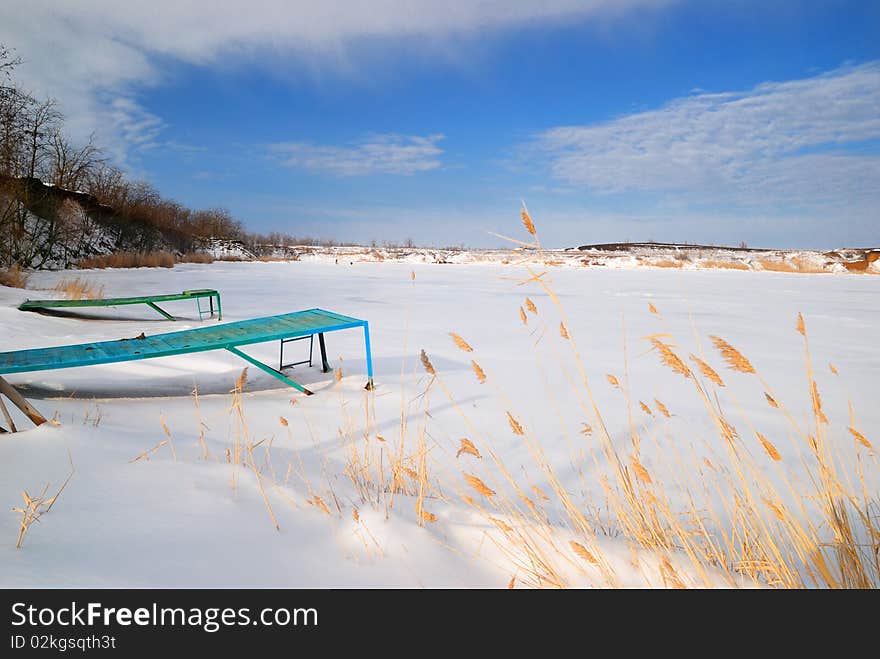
{"x":708,"y":371}
{"x":732,"y":356}
{"x":460,"y":342}
{"x":426,"y":363}
{"x":527,"y":222}
{"x":13,"y":277}
{"x":662,"y":408}
{"x":670,"y":359}
{"x":129,"y":260}
{"x":478,"y":485}
{"x":467,"y":446}
{"x":79,"y":288}
{"x":35,"y":508}
{"x":195,"y":257}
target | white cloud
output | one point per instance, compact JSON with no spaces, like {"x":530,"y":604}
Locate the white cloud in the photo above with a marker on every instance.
{"x":136,"y":127}
{"x":785,"y":143}
{"x":379,"y":154}
{"x":88,"y":51}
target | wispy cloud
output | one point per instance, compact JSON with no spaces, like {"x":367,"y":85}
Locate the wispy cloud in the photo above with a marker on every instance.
{"x":88,"y":51}
{"x":124,"y":128}
{"x":378,"y":154}
{"x":137,"y":126}
{"x":807,"y":143}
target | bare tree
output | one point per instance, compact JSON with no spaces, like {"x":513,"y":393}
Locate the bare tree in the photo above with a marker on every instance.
{"x":13,"y":115}
{"x":106,"y":183}
{"x":43,"y":122}
{"x":48,"y":226}
{"x":70,"y":167}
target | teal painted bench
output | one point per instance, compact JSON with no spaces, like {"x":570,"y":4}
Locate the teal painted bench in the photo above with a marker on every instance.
{"x":226,"y":336}
{"x":196,"y":294}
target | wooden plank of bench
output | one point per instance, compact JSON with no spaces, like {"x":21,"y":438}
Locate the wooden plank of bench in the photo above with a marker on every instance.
{"x":7,"y":415}
{"x":18,"y":400}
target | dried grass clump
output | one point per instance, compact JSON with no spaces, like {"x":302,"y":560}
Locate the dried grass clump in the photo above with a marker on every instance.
{"x":796,"y":264}
{"x":78,"y":288}
{"x":129,"y":260}
{"x":13,"y":277}
{"x":35,"y":507}
{"x":723,"y":265}
{"x":662,"y":263}
{"x":195,"y":257}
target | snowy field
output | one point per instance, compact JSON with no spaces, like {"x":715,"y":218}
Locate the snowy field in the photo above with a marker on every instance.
{"x":369,"y":489}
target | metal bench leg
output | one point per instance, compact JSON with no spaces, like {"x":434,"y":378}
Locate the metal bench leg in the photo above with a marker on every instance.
{"x":324,"y":365}
{"x":282,"y":365}
{"x":164,"y":313}
{"x":369,"y":385}
{"x":271,"y":371}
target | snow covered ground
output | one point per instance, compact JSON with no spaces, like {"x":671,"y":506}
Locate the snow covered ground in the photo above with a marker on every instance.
{"x":349,"y":474}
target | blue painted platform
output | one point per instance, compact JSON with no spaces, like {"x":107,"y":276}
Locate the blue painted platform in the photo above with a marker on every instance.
{"x":227,"y":336}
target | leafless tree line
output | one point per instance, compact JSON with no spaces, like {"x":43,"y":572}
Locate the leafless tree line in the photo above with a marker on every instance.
{"x":60,"y":199}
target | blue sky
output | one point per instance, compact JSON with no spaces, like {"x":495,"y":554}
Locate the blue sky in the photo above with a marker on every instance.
{"x":403,"y":119}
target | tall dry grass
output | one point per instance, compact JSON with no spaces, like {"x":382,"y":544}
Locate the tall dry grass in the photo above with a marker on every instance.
{"x":732,"y":517}
{"x":662,"y":263}
{"x":796,"y":264}
{"x":14,"y":277}
{"x":723,"y":265}
{"x":195,"y":257}
{"x":79,"y":288}
{"x":129,"y":260}
{"x":33,"y":508}
{"x":729,"y":510}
